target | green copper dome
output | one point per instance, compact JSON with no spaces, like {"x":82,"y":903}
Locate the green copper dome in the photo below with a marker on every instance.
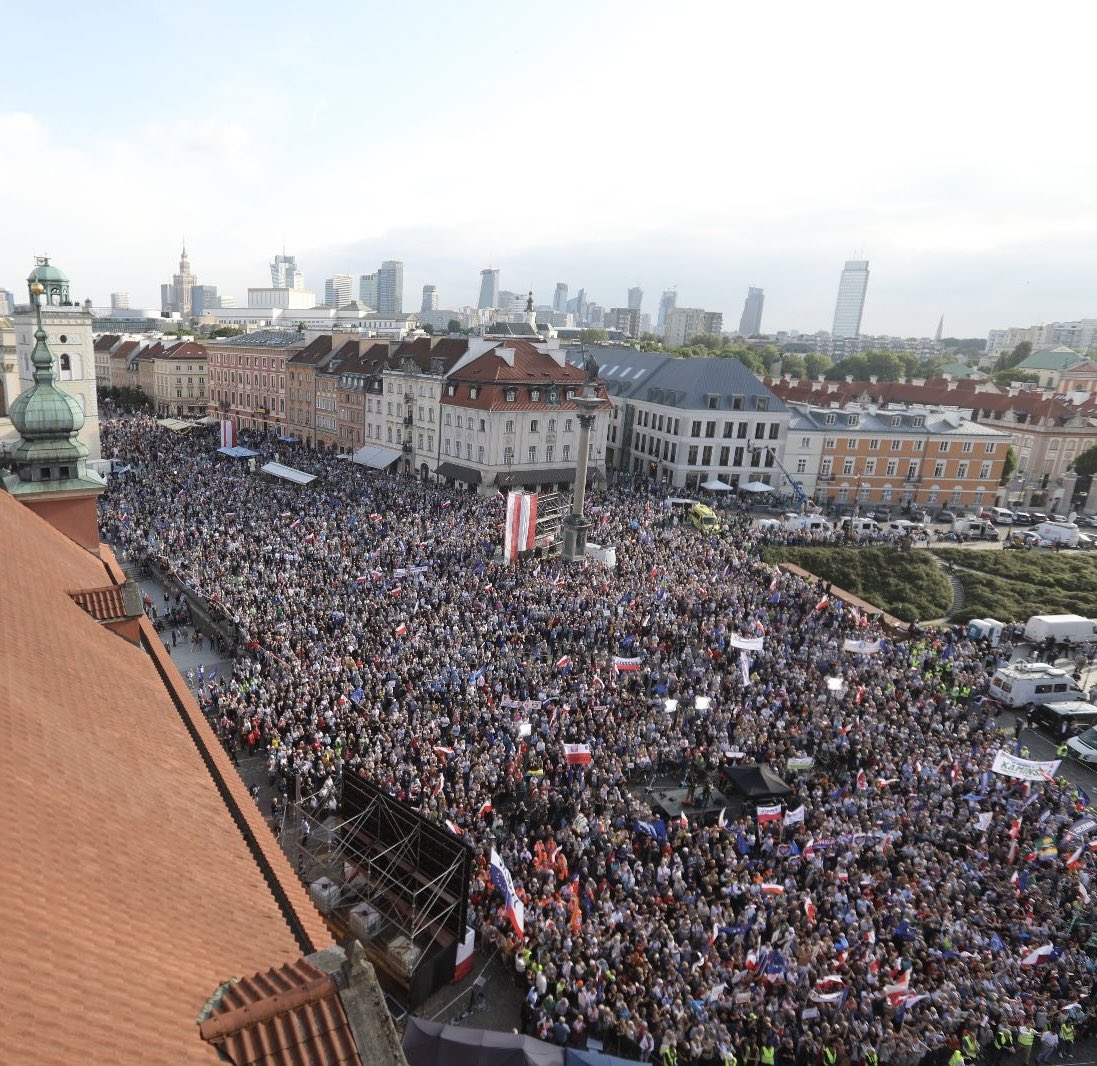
{"x":45,"y":272}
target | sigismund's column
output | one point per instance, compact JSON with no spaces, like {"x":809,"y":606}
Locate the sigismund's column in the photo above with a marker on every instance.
{"x":575,"y":526}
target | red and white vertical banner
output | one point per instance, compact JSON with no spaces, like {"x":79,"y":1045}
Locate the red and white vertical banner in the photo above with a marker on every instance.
{"x":521,"y":525}
{"x":228,"y":433}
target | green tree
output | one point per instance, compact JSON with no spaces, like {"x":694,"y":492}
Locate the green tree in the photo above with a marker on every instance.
{"x":815,"y":363}
{"x":794,"y":364}
{"x":1007,"y":361}
{"x":300,"y":327}
{"x":593,"y":336}
{"x":884,"y":366}
{"x":454,"y":326}
{"x":853,"y":366}
{"x":225,"y":331}
{"x":1010,"y":465}
{"x":1086,"y":463}
{"x":751,"y":360}
{"x":428,"y":329}
{"x":1015,"y":377}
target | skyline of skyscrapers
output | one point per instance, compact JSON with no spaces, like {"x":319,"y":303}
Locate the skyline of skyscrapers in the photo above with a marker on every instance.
{"x":751,"y":320}
{"x":635,"y":298}
{"x":850,"y":304}
{"x":430,"y":298}
{"x":560,"y":298}
{"x":489,"y":288}
{"x":367,"y":289}
{"x":390,"y":287}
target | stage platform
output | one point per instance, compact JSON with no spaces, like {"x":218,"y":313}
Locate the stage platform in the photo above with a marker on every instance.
{"x":672,"y":803}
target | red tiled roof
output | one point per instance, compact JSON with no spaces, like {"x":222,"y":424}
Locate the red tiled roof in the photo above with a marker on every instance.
{"x":124,"y":349}
{"x":106,"y":342}
{"x":530,"y":366}
{"x":313,"y":352}
{"x":288,"y":1015}
{"x":185,"y":350}
{"x":104,"y":605}
{"x":116,"y":931}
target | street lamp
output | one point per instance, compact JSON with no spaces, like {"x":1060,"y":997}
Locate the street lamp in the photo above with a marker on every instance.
{"x":575,"y":526}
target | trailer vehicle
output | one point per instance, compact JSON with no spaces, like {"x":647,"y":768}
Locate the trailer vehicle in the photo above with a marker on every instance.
{"x":1064,"y":534}
{"x":1072,"y":627}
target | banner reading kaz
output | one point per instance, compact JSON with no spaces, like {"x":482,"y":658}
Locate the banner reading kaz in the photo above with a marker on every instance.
{"x":521,"y":527}
{"x":516,"y":909}
{"x":1024,"y":769}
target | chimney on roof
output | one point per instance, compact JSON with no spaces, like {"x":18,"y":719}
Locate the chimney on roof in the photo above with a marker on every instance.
{"x":821,"y":378}
{"x":506,"y":354}
{"x":872,"y":379}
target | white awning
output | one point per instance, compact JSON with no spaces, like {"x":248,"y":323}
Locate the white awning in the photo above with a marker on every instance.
{"x":287,"y":473}
{"x":176,"y":425}
{"x":716,"y":485}
{"x":375,"y":456}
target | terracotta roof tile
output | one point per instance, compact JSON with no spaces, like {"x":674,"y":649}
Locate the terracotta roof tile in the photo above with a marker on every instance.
{"x":287,"y":1015}
{"x":116,"y":930}
{"x":104,"y":605}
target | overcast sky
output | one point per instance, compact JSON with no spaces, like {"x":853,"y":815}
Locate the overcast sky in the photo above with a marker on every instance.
{"x":708,"y":146}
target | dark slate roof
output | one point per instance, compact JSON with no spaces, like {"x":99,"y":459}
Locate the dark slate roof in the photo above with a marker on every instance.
{"x":266,"y":338}
{"x":654,"y":377}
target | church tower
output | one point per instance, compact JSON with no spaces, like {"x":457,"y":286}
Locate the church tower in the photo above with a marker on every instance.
{"x":51,"y":475}
{"x":68,"y":328}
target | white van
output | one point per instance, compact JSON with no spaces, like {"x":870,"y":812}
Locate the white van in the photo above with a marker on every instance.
{"x":1064,"y":533}
{"x":812,"y":523}
{"x":1022,"y":683}
{"x":904,"y":527}
{"x":1001,"y":516}
{"x":861,"y":527}
{"x":986,"y":629}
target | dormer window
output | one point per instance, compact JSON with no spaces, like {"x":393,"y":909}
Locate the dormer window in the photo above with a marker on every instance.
{"x":830,"y":420}
{"x":451,"y":390}
{"x":895,"y":420}
{"x":474,"y":391}
{"x":535,"y":394}
{"x":571,"y":394}
{"x":851,"y":420}
{"x":918,"y":421}
{"x":511,"y":395}
{"x":554,"y":396}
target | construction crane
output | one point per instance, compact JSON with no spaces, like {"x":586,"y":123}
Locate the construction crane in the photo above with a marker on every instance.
{"x":798,"y":493}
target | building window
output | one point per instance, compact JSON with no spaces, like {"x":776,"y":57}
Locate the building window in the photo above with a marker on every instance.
{"x":567,"y":425}
{"x":511,"y":395}
{"x":535,"y":394}
{"x":830,"y":420}
{"x":874,"y":445}
{"x":725,"y":455}
{"x":508,"y":456}
{"x":896,"y":444}
{"x":552,"y":425}
{"x":533,"y":453}
{"x":984,"y":472}
{"x":760,"y":431}
{"x":692,"y":455}
{"x":548,"y":453}
{"x":774,"y":430}
{"x":534,"y":425}
{"x":445,"y":446}
{"x":939,"y":470}
{"x":554,"y":396}
{"x":847,"y":466}
{"x":480,"y":454}
{"x":508,"y":427}
{"x":918,"y":421}
{"x":565,"y":452}
{"x":870,"y":466}
{"x":961,"y":470}
{"x":801,"y":466}
{"x":968,"y":448}
{"x":762,"y":404}
{"x":695,"y":430}
{"x":942,"y":446}
{"x":989,"y":447}
{"x":824,"y":467}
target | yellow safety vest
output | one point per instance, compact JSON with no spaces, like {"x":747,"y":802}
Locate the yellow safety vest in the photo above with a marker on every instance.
{"x":769,"y":1054}
{"x":1024,"y":1037}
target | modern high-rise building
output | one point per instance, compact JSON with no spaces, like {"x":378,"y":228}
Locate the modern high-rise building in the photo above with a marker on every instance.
{"x":851,"y":298}
{"x":560,"y":300}
{"x":175,"y":296}
{"x":119,"y":301}
{"x":751,"y":321}
{"x":204,"y":298}
{"x":684,"y":323}
{"x":7,"y":302}
{"x":489,"y":288}
{"x":338,"y":290}
{"x":667,"y":302}
{"x":635,"y":298}
{"x":430,"y":298}
{"x":284,"y":273}
{"x":390,"y":287}
{"x":367,"y":290}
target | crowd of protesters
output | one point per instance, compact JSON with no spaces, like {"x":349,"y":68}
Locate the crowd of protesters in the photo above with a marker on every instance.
{"x":891,"y":914}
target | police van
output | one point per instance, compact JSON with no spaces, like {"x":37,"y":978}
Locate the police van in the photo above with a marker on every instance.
{"x":1019,"y":684}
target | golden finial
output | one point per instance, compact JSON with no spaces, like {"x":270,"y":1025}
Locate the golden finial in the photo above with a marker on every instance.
{"x":37,"y":288}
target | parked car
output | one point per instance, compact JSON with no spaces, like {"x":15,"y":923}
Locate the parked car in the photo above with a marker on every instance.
{"x":1088,"y":520}
{"x":1036,"y":517}
{"x":1059,"y":517}
{"x":881,"y":514}
{"x":919,"y":514}
{"x":1078,"y":716}
{"x":1084,"y":747}
{"x":947,"y":517}
{"x":1022,"y":518}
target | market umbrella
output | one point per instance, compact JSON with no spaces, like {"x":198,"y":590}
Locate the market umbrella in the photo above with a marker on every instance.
{"x":716,"y":485}
{"x":755,"y":486}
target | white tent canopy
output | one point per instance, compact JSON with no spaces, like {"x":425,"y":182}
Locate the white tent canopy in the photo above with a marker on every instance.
{"x":376,"y":456}
{"x":716,"y":485}
{"x":755,"y":486}
{"x":287,"y":473}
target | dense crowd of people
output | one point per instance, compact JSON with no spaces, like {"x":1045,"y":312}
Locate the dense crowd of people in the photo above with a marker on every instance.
{"x":888,"y":914}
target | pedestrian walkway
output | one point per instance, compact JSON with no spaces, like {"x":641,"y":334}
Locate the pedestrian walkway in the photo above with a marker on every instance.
{"x":189,"y":657}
